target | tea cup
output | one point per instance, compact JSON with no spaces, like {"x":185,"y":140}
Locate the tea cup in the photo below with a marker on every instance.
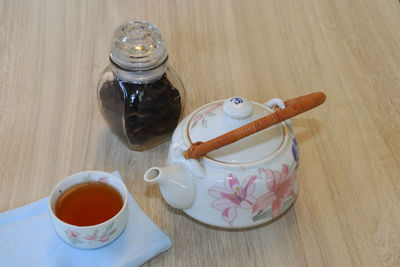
{"x":92,"y":236}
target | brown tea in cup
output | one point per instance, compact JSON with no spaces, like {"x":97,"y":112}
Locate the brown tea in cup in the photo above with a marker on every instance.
{"x":88,"y":204}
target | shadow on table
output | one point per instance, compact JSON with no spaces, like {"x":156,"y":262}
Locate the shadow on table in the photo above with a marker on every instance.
{"x":179,"y":212}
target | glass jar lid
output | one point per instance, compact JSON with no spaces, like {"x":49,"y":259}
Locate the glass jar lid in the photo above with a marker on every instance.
{"x":218,"y":118}
{"x":138,"y":46}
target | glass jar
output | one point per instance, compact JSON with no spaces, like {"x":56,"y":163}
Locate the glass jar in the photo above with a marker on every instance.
{"x":140,"y":95}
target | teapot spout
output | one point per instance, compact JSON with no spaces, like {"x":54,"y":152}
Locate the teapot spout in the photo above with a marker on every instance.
{"x":176,"y":185}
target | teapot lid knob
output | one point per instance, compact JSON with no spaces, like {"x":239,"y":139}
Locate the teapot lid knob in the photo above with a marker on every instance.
{"x":238,"y":107}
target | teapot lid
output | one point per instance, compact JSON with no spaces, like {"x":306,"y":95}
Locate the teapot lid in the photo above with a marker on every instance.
{"x":217,"y":118}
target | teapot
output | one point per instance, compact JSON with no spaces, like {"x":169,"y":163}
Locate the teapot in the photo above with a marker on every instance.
{"x":233,"y":163}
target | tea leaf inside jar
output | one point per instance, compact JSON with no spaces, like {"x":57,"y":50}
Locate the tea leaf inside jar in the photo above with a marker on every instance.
{"x":146,"y":113}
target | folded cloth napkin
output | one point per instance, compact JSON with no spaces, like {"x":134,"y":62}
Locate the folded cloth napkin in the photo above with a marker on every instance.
{"x":27,"y":238}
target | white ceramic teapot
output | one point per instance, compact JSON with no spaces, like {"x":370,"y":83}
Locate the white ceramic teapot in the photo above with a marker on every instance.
{"x":247,"y":181}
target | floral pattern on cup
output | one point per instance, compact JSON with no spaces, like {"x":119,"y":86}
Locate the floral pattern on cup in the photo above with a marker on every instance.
{"x":234,"y":195}
{"x":89,"y":178}
{"x":93,"y":236}
{"x":202,"y":117}
{"x":103,"y":180}
{"x":75,"y":237}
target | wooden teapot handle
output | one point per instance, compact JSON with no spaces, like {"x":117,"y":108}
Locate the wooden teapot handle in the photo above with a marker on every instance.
{"x":292,"y":108}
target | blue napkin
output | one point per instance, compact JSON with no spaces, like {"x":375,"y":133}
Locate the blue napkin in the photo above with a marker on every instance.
{"x":27,"y":238}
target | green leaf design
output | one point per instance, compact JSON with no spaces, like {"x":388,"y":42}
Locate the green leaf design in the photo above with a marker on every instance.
{"x":293,"y":167}
{"x":110,"y":226}
{"x":113,"y":231}
{"x":267,"y":213}
{"x":287,"y":203}
{"x":263,"y":215}
{"x":193,"y":125}
{"x":75,"y":241}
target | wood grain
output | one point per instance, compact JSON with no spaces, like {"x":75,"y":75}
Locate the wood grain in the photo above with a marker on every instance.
{"x":347,"y":213}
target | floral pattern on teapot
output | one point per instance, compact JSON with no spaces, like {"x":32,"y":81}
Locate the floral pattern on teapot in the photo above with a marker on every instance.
{"x":280,"y":185}
{"x":240,"y":196}
{"x":233,"y":196}
{"x":204,"y":115}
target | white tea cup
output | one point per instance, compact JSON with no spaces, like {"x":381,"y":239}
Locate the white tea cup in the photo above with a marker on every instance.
{"x":93,"y":236}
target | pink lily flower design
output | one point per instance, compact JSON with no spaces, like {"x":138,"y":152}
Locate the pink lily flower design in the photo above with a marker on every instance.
{"x":90,"y":237}
{"x":280,"y":186}
{"x":203,"y":116}
{"x":104,"y":237}
{"x":103,"y":180}
{"x":233,"y":196}
{"x":72,"y":234}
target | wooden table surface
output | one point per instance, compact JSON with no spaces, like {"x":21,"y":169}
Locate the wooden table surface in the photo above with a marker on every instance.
{"x":348,"y":212}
